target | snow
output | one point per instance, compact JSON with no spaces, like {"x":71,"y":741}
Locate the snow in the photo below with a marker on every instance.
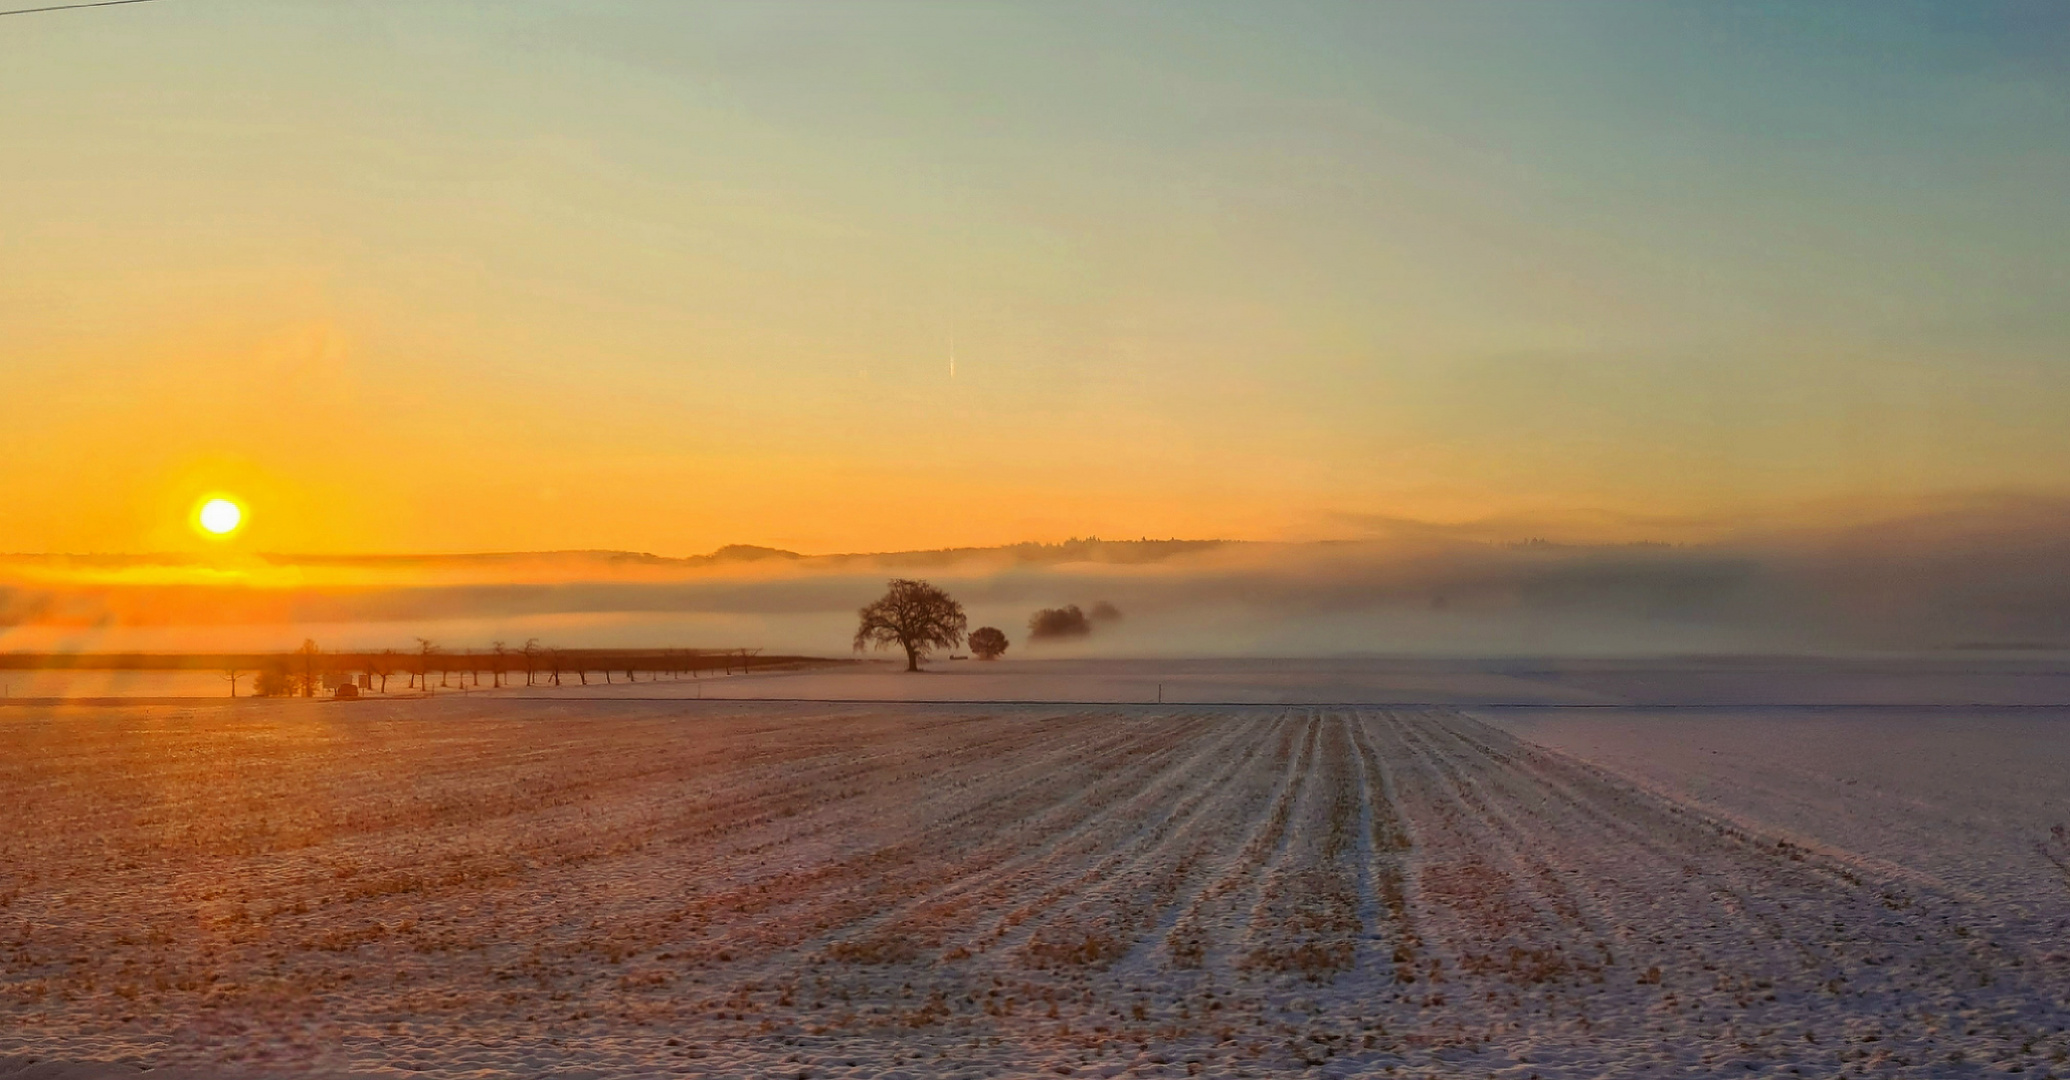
{"x":1761,"y":681}
{"x":521,"y":885}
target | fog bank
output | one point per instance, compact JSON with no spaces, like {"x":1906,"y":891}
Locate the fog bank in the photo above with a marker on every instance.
{"x":1985,"y":575}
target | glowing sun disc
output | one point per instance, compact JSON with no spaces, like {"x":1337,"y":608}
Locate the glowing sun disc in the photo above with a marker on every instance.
{"x":220,"y":516}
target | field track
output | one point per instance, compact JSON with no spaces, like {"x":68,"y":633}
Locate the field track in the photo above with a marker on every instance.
{"x":711,"y":888}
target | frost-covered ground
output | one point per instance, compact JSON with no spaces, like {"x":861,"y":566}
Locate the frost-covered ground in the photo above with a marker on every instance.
{"x":1764,"y":681}
{"x":1960,"y":803}
{"x":487,"y":886}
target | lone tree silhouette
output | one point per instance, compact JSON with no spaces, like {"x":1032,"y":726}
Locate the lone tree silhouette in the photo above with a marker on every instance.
{"x":987,"y":642}
{"x":915,"y":616}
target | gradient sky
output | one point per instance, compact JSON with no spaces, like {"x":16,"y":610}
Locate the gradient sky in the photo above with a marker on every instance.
{"x":458,"y":275}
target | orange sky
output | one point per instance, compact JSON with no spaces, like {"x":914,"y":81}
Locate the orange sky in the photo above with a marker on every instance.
{"x":475,"y":277}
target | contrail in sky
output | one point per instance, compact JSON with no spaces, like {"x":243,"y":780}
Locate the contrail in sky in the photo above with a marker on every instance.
{"x":68,"y":7}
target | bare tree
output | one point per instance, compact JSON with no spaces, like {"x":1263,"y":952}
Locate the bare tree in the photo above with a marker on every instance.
{"x":531,"y":655}
{"x":913,"y":615}
{"x":553,"y":660}
{"x":988,"y":642}
{"x":232,"y":674}
{"x":496,"y":666}
{"x":275,"y":680}
{"x":310,"y":676}
{"x":426,"y":650}
{"x":381,"y":665}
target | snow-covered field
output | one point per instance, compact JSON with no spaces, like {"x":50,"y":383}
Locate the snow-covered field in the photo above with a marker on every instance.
{"x":487,"y":886}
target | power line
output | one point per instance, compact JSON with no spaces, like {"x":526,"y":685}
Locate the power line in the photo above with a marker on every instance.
{"x":68,"y":7}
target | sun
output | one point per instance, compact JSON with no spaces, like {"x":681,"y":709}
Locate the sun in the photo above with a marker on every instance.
{"x":220,"y":517}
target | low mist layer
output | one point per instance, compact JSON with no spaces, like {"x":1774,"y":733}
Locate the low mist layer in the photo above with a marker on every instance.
{"x":1979,"y":575}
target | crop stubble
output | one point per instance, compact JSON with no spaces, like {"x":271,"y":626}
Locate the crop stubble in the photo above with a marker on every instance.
{"x":640,"y":887}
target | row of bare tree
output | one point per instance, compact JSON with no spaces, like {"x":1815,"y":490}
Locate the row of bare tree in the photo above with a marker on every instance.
{"x":308,"y":671}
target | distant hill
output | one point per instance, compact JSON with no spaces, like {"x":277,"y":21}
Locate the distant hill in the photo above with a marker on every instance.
{"x":1088,"y":549}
